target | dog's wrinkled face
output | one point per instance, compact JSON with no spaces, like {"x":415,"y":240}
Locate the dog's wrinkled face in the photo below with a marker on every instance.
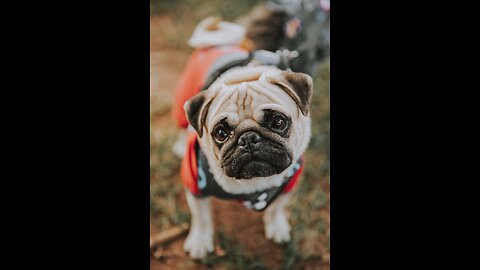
{"x":254,"y":149}
{"x":251,"y":120}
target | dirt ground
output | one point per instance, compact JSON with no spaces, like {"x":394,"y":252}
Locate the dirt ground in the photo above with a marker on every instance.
{"x":238,"y":230}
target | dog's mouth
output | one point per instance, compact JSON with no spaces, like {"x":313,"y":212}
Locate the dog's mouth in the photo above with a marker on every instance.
{"x":256,"y":168}
{"x":254,"y":155}
{"x":249,"y":166}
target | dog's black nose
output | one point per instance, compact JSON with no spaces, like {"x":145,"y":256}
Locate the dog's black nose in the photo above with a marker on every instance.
{"x":249,"y":137}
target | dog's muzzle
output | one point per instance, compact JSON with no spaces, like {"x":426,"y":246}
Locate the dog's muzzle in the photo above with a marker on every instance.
{"x":256,"y":156}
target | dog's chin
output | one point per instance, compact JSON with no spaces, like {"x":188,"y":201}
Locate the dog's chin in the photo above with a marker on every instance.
{"x":254,"y":169}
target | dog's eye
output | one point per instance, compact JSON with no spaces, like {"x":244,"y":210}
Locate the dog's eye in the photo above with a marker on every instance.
{"x":221,"y":135}
{"x":279,"y":123}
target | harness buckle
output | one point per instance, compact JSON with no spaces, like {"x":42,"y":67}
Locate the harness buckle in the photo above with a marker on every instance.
{"x":286,"y":56}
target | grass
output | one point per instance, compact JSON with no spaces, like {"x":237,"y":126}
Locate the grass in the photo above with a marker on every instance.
{"x":310,"y":204}
{"x":164,"y":190}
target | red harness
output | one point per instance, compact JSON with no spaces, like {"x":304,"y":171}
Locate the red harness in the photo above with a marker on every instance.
{"x":194,"y":77}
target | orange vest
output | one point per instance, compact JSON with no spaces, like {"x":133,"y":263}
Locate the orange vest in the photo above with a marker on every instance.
{"x":194,"y":77}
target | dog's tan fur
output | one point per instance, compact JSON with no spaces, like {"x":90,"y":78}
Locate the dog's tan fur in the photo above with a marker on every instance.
{"x":241,"y":95}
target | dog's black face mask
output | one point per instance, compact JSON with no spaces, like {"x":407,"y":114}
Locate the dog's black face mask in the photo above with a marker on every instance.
{"x":256,"y":150}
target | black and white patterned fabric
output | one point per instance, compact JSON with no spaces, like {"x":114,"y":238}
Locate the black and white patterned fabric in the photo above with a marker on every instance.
{"x":257,"y":201}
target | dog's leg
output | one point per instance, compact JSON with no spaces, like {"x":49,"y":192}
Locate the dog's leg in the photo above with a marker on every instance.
{"x":180,"y":145}
{"x":200,"y":238}
{"x":276,"y":220}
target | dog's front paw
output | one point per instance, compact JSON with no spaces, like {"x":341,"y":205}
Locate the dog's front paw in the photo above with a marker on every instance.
{"x":277,"y":228}
{"x":198,"y":244}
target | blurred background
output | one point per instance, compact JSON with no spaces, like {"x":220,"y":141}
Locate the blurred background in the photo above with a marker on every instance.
{"x":239,"y":236}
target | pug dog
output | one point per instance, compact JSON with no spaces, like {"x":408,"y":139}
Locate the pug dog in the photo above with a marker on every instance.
{"x":252,"y":126}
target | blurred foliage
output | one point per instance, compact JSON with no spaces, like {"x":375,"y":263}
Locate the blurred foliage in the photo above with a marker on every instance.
{"x":228,"y":10}
{"x":178,"y":18}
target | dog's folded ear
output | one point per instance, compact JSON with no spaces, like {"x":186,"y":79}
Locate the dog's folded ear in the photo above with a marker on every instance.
{"x":196,"y":109}
{"x":297,"y":85}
